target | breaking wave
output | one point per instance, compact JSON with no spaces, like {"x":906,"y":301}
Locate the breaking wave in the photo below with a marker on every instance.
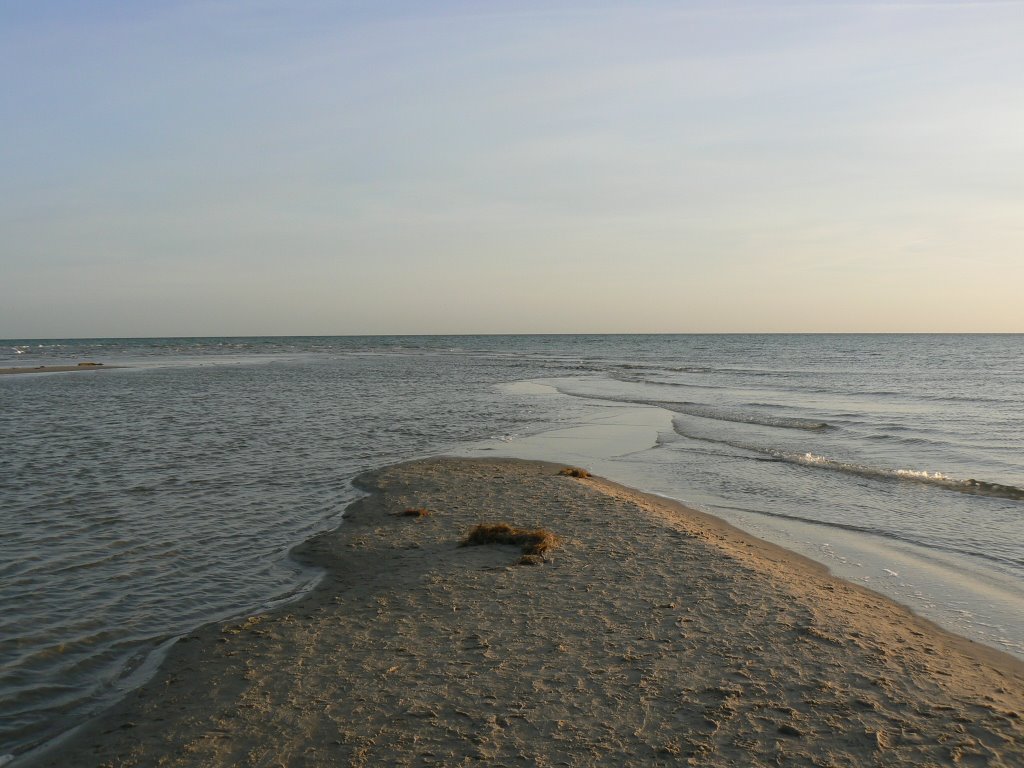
{"x":808,"y":459}
{"x":977,"y":487}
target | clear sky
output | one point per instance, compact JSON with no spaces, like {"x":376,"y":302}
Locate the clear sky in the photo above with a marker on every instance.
{"x":256,"y":167}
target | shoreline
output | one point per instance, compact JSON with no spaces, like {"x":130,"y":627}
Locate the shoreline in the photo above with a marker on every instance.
{"x":962,"y":595}
{"x":655,"y":634}
{"x":59,"y":368}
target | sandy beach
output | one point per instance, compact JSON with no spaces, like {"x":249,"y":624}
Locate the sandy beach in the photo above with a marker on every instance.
{"x":651,"y":635}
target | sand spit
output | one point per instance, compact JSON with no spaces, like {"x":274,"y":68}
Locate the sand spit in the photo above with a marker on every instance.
{"x":60,"y":368}
{"x":650,"y":635}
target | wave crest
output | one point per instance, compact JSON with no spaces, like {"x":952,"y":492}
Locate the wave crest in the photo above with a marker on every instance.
{"x":977,"y":487}
{"x":743,"y":417}
{"x":808,"y":459}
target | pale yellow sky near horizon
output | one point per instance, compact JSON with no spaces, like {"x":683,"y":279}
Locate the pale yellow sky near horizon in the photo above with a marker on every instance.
{"x":224,"y":168}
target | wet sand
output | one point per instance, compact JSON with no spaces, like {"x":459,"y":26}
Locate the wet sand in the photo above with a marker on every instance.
{"x":60,"y":368}
{"x":653,"y":635}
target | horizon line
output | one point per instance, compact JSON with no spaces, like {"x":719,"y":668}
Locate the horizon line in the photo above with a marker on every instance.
{"x":513,"y":333}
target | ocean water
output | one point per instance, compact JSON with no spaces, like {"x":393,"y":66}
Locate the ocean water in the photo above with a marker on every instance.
{"x":141,"y":502}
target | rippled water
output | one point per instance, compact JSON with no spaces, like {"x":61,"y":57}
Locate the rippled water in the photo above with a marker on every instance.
{"x":138,"y":503}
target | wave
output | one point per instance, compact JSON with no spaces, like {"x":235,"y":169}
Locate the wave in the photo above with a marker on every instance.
{"x":808,"y":459}
{"x":657,"y":368}
{"x":743,"y":417}
{"x":717,"y":414}
{"x":634,"y":379}
{"x":972,"y":486}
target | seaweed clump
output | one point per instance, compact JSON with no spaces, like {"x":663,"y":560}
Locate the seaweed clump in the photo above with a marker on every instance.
{"x":534,"y":543}
{"x":574,"y":472}
{"x":413,"y":512}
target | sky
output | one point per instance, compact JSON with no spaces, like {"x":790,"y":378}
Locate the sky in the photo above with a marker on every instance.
{"x":219,"y":167}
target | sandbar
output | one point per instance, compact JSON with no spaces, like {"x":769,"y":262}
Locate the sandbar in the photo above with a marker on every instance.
{"x":60,"y":368}
{"x":652,"y":635}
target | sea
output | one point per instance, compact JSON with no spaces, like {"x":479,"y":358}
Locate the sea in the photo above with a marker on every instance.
{"x":165,"y":492}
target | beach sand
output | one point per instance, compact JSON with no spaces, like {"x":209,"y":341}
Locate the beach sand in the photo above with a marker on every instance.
{"x":60,"y":368}
{"x":654,"y":635}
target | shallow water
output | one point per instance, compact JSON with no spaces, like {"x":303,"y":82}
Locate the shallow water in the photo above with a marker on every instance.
{"x":141,"y":502}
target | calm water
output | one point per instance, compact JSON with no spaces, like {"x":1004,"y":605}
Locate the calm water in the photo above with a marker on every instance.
{"x":136,"y":504}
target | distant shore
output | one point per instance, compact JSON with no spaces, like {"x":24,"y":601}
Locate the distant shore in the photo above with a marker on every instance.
{"x":650,"y":634}
{"x":60,"y":368}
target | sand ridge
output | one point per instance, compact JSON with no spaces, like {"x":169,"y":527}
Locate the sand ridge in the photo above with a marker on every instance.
{"x":653,"y":635}
{"x":59,"y":368}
